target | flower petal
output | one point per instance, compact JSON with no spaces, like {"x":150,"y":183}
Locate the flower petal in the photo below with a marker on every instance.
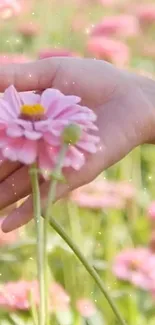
{"x":41,"y":125}
{"x":12,"y":97}
{"x":57,"y":107}
{"x":76,"y":157}
{"x":28,"y":152}
{"x":29,"y":98}
{"x":25,"y":124}
{"x":32,"y":135}
{"x":14,"y":131}
{"x":51,"y":139}
{"x":9,"y":153}
{"x":87,"y":146}
{"x":3,"y":138}
{"x":6,"y":111}
{"x":49,"y":96}
{"x":44,"y":161}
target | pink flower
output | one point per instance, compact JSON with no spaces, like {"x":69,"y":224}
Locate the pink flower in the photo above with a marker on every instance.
{"x":9,"y":8}
{"x":102,"y":194}
{"x":31,"y":127}
{"x":108,"y":49}
{"x":146,"y":13}
{"x":151,"y":211}
{"x":48,"y":53}
{"x":29,"y":29}
{"x":136,"y":266}
{"x":59,"y":298}
{"x":7,"y":58}
{"x":109,"y":3}
{"x":85,"y":307}
{"x":16,"y":296}
{"x":97,"y":201}
{"x":120,"y":25}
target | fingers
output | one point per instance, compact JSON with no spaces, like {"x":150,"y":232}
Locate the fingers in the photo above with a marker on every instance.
{"x":15,"y":187}
{"x":24,"y":213}
{"x":94,"y":81}
{"x":7,"y":168}
{"x":29,"y":76}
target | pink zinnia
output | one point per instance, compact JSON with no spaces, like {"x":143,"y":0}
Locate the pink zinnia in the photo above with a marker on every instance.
{"x":146,"y":13}
{"x":135,"y":265}
{"x":29,"y":29}
{"x":120,"y":25}
{"x":16,"y":296}
{"x":101,"y":194}
{"x":31,"y":127}
{"x":151,"y":211}
{"x":108,"y":49}
{"x":9,"y":8}
{"x":85,"y":307}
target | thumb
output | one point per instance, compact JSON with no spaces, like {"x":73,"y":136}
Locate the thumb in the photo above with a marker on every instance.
{"x":37,"y":75}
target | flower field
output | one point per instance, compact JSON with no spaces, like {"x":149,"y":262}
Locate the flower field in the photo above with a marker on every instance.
{"x":112,"y":219}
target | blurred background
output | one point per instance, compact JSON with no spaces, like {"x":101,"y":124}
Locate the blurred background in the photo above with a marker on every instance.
{"x":112,"y":219}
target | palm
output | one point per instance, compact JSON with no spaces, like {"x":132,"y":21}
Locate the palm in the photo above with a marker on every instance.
{"x":122,"y":102}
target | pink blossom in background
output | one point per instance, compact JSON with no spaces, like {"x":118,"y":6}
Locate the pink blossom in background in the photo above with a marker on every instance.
{"x":59,"y":298}
{"x":6,"y":58}
{"x":9,"y":8}
{"x":145,"y":13}
{"x":109,"y":3}
{"x":16,"y":296}
{"x":120,"y":25}
{"x":86,"y":307}
{"x":29,"y":29}
{"x":101,"y":194}
{"x":151,"y":211}
{"x":48,"y":53}
{"x":108,"y":49}
{"x":97,"y":201}
{"x":31,"y":127}
{"x":8,"y":238}
{"x":136,"y":265}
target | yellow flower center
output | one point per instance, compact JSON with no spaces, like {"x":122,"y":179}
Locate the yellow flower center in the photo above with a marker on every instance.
{"x":32,"y":110}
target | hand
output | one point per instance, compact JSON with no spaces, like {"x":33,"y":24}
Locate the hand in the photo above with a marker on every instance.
{"x":123,"y":102}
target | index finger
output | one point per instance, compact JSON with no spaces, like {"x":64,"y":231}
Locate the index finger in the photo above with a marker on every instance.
{"x":36,"y":75}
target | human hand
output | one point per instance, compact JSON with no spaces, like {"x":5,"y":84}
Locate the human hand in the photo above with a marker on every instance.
{"x":124,"y":104}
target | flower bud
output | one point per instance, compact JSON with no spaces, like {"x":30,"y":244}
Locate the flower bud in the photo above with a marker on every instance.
{"x":71,"y":134}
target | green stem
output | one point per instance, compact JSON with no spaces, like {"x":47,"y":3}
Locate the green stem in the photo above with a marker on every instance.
{"x":88,"y":267}
{"x":50,"y":199}
{"x":40,"y":250}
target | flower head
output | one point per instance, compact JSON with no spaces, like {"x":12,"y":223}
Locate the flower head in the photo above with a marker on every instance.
{"x":108,"y":49}
{"x":145,"y":13}
{"x":120,"y":25}
{"x":9,"y":8}
{"x":85,"y":307}
{"x":151,"y":211}
{"x":16,"y":296}
{"x":29,"y":29}
{"x":31,"y":127}
{"x":101,"y":194}
{"x":136,"y":266}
